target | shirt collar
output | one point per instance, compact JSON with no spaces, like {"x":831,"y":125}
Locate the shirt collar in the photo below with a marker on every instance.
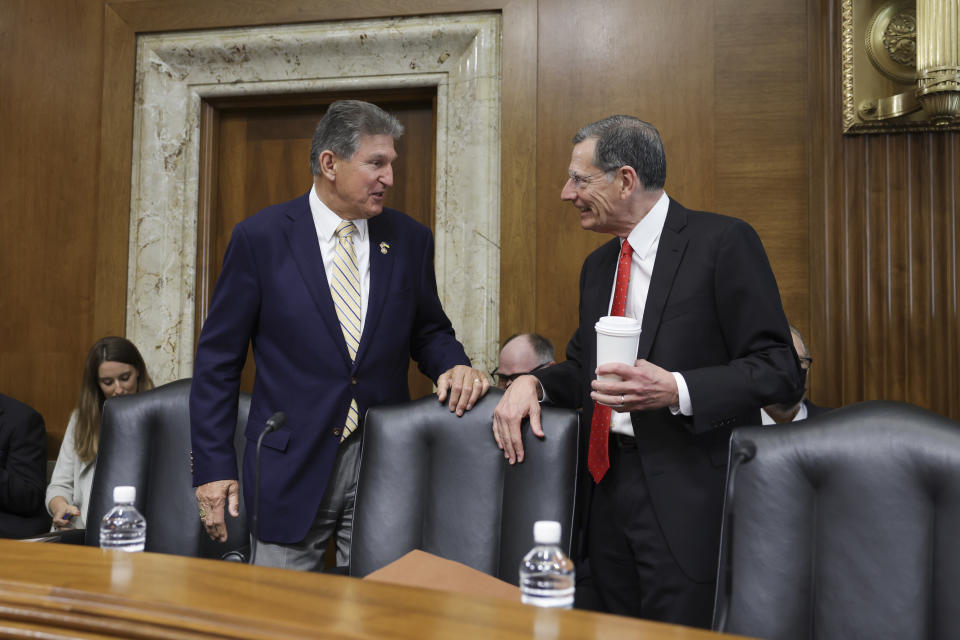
{"x":802,"y":414}
{"x":646,"y":235}
{"x":326,"y":221}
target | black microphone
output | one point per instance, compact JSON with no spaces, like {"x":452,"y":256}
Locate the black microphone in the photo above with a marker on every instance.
{"x":274,"y":422}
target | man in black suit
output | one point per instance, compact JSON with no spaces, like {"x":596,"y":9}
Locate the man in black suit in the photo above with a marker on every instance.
{"x":714,"y":349}
{"x":803,"y":408}
{"x":23,"y":470}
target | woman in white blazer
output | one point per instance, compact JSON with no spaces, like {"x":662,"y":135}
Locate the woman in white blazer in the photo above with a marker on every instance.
{"x":114,"y":367}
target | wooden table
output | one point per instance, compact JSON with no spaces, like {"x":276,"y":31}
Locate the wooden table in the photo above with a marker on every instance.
{"x":70,"y":591}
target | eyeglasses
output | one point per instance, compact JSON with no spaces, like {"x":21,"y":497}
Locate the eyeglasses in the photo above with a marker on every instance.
{"x":579,"y":182}
{"x":805,"y":362}
{"x":504,"y":380}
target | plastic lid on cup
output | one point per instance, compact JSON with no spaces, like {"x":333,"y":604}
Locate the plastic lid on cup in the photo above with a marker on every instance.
{"x":124,"y":494}
{"x":618,"y":326}
{"x":546,"y":532}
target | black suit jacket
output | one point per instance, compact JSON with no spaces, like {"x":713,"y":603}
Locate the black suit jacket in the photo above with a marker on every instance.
{"x":713,"y":313}
{"x":23,"y":470}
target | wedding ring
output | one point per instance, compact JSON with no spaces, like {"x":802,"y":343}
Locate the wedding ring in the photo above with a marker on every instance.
{"x":621,"y":399}
{"x":477,"y":381}
{"x":203,"y":514}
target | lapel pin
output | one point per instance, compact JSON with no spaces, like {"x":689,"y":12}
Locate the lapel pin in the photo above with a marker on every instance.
{"x":384,"y":247}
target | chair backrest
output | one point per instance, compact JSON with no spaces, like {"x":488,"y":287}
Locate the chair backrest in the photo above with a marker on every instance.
{"x":844,"y":526}
{"x":432,"y":481}
{"x":145,"y":442}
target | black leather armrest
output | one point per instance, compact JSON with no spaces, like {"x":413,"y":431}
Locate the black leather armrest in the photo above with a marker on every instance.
{"x":67,"y":536}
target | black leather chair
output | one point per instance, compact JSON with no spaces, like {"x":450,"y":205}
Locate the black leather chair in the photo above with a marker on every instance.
{"x":145,"y":442}
{"x":432,"y":481}
{"x":844,"y":526}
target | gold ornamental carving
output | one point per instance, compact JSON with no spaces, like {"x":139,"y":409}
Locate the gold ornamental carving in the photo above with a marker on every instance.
{"x":891,"y":41}
{"x":900,"y":65}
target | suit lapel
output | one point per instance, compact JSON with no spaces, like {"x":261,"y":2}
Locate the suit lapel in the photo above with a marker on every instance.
{"x":673,"y":242}
{"x":305,"y":246}
{"x":381,"y":267}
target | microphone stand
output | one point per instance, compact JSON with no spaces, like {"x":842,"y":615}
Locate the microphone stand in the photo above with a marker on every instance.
{"x":273,"y":423}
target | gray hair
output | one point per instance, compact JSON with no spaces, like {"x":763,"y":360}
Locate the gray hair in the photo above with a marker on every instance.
{"x":341,"y":127}
{"x":628,"y":141}
{"x":542,"y":346}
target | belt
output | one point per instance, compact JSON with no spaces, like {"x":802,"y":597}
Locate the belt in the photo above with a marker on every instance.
{"x":623,"y":441}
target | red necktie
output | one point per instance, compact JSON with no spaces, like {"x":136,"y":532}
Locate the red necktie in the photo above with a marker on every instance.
{"x":598,"y":457}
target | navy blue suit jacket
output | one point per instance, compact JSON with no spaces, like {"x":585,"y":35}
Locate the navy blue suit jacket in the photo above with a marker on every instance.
{"x":273,"y":292}
{"x":712,"y":313}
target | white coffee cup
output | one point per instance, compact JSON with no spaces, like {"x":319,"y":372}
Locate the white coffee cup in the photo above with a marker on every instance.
{"x":617,"y":340}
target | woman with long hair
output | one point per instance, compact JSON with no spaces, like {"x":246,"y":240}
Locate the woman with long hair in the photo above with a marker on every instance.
{"x":114,"y":367}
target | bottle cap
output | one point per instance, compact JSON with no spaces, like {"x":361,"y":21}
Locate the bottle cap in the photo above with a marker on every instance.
{"x":124,"y":494}
{"x":546,"y":532}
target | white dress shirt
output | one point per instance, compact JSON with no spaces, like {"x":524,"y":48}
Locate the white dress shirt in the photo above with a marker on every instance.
{"x":326,"y":222}
{"x":645,"y":240}
{"x":802,"y":414}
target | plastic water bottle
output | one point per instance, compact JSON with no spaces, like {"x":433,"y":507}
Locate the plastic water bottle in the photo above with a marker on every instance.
{"x":546,"y":573}
{"x":123,"y":528}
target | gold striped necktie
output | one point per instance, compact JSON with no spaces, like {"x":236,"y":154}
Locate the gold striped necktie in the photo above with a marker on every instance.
{"x":345,"y":288}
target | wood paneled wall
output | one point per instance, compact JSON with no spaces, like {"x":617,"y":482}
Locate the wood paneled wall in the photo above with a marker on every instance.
{"x":885,"y":264}
{"x":725,"y":84}
{"x":862,"y":232}
{"x":50,"y":75}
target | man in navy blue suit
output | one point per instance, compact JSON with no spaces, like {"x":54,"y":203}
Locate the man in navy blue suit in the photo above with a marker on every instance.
{"x":713,"y":350}
{"x":321,"y":361}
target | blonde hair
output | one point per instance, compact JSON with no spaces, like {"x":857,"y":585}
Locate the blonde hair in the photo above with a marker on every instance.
{"x":91,"y":399}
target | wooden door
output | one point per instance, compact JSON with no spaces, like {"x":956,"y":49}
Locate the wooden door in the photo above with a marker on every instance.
{"x":255,"y":152}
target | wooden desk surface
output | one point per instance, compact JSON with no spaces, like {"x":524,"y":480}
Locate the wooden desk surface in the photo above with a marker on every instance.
{"x":71,"y":591}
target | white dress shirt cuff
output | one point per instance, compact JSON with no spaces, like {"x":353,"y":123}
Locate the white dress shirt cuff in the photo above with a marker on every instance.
{"x":543,"y":392}
{"x":685,"y":407}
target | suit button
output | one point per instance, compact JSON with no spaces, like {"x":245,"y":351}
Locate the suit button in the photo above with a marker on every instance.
{"x":353,"y":381}
{"x":337,"y":431}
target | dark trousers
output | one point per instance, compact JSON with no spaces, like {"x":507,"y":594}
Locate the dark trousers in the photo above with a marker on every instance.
{"x":633,"y":569}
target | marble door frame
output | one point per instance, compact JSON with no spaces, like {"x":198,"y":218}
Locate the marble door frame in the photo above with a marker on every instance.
{"x":176,"y":72}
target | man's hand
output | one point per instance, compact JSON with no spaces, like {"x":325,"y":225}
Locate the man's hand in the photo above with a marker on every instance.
{"x":641,"y":387}
{"x":463,"y":386}
{"x":518,"y":402}
{"x":211,"y":498}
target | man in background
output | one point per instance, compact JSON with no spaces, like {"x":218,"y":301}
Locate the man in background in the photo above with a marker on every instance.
{"x":521,"y":354}
{"x":803,"y":409}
